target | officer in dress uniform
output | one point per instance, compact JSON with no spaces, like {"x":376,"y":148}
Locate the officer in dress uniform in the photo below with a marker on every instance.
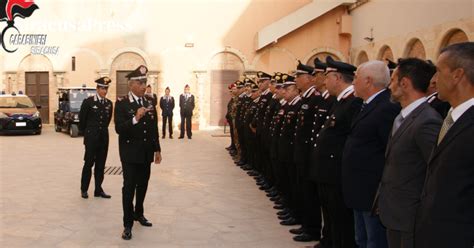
{"x":167,"y":106}
{"x":286,"y":151}
{"x":264,"y":99}
{"x":328,"y":148}
{"x":245,"y":103}
{"x":229,"y":115}
{"x":94,"y":119}
{"x":320,"y":114}
{"x":249,"y":129}
{"x":308,"y":207}
{"x":139,"y":145}
{"x":186,"y":104}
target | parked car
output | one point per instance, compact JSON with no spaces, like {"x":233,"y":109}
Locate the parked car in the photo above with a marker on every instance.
{"x":18,"y":114}
{"x":70,"y":99}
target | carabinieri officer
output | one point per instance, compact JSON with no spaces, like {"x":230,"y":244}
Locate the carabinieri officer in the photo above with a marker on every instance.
{"x":94,"y":119}
{"x":136,"y":125}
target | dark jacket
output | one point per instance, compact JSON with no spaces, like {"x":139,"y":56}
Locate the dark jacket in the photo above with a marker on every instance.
{"x":364,"y":152}
{"x":407,"y":155}
{"x":445,"y":217}
{"x":186,"y":105}
{"x":94,"y":119}
{"x":139,"y":142}
{"x":167,"y":106}
{"x":330,"y":140}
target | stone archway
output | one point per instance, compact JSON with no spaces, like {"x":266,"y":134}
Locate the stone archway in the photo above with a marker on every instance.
{"x":322,"y":56}
{"x":385,"y":53}
{"x":453,"y":36}
{"x":223,"y":69}
{"x":362,"y":58}
{"x":415,"y":49}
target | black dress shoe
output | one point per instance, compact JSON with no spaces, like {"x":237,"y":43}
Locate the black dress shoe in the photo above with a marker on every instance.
{"x":171,"y":136}
{"x":289,"y":222}
{"x":84,"y":195}
{"x":279,"y":207}
{"x":273,"y":196}
{"x":285,"y":217}
{"x":180,"y":137}
{"x":102,"y":194}
{"x":127,"y":233}
{"x":283,"y":212}
{"x":190,"y":137}
{"x":143,"y":221}
{"x":297,"y":231}
{"x":163,"y":137}
{"x":305,"y":238}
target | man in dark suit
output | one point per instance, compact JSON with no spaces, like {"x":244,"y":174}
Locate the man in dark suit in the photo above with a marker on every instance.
{"x":139,"y":145}
{"x":445,"y":217}
{"x":364,"y":151}
{"x":94,"y":119}
{"x":412,"y":139}
{"x":230,"y":115}
{"x":186,"y":105}
{"x":167,"y":106}
{"x":328,"y":149}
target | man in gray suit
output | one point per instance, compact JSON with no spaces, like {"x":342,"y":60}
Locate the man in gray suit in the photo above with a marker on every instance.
{"x":413,"y":137}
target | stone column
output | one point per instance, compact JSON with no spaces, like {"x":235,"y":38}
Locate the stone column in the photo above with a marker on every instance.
{"x":202,"y":99}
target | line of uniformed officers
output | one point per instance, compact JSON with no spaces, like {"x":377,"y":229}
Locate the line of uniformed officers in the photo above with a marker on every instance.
{"x":378,"y":155}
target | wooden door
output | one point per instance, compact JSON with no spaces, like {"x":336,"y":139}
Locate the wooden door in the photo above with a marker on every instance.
{"x":37,"y":88}
{"x":220,"y":80}
{"x":122,"y":83}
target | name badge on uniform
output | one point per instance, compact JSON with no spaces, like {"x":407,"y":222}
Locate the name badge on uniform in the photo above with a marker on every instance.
{"x":95,"y":107}
{"x":305,"y":106}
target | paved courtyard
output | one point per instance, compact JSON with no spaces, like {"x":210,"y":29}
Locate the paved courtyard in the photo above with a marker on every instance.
{"x":196,"y":198}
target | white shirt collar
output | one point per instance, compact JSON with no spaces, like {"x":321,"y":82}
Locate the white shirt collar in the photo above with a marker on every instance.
{"x":325,"y":94}
{"x":457,"y":112}
{"x":266,"y":92}
{"x":256,"y":100}
{"x":132,"y":96}
{"x":374,"y":96}
{"x":282,"y":102}
{"x":345,"y":92}
{"x":309,"y":91}
{"x":97,"y":97}
{"x":295,"y":100}
{"x":412,"y":106}
{"x":242,"y":95}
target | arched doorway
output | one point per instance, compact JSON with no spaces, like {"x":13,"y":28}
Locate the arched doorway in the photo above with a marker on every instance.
{"x":224,"y":68}
{"x":322,"y":56}
{"x":362,"y":58}
{"x":452,"y":37}
{"x":123,"y":64}
{"x":385,"y":53}
{"x":415,"y":49}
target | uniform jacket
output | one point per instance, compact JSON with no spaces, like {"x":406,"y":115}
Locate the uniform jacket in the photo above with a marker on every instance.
{"x":167,"y":106}
{"x":94,"y":119}
{"x":139,"y":142}
{"x":186,"y":105}
{"x":330,"y":140}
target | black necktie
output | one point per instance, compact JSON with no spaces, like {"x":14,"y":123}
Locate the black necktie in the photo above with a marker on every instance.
{"x":140,"y":102}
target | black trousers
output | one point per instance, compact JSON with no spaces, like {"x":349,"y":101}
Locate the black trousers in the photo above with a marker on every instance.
{"x":169,"y":120}
{"x":340,"y":218}
{"x":95,"y":156}
{"x":231,"y":128}
{"x":135,"y":181}
{"x":186,"y":120}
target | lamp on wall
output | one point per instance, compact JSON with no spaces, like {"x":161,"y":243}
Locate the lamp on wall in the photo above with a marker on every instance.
{"x":371,"y":38}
